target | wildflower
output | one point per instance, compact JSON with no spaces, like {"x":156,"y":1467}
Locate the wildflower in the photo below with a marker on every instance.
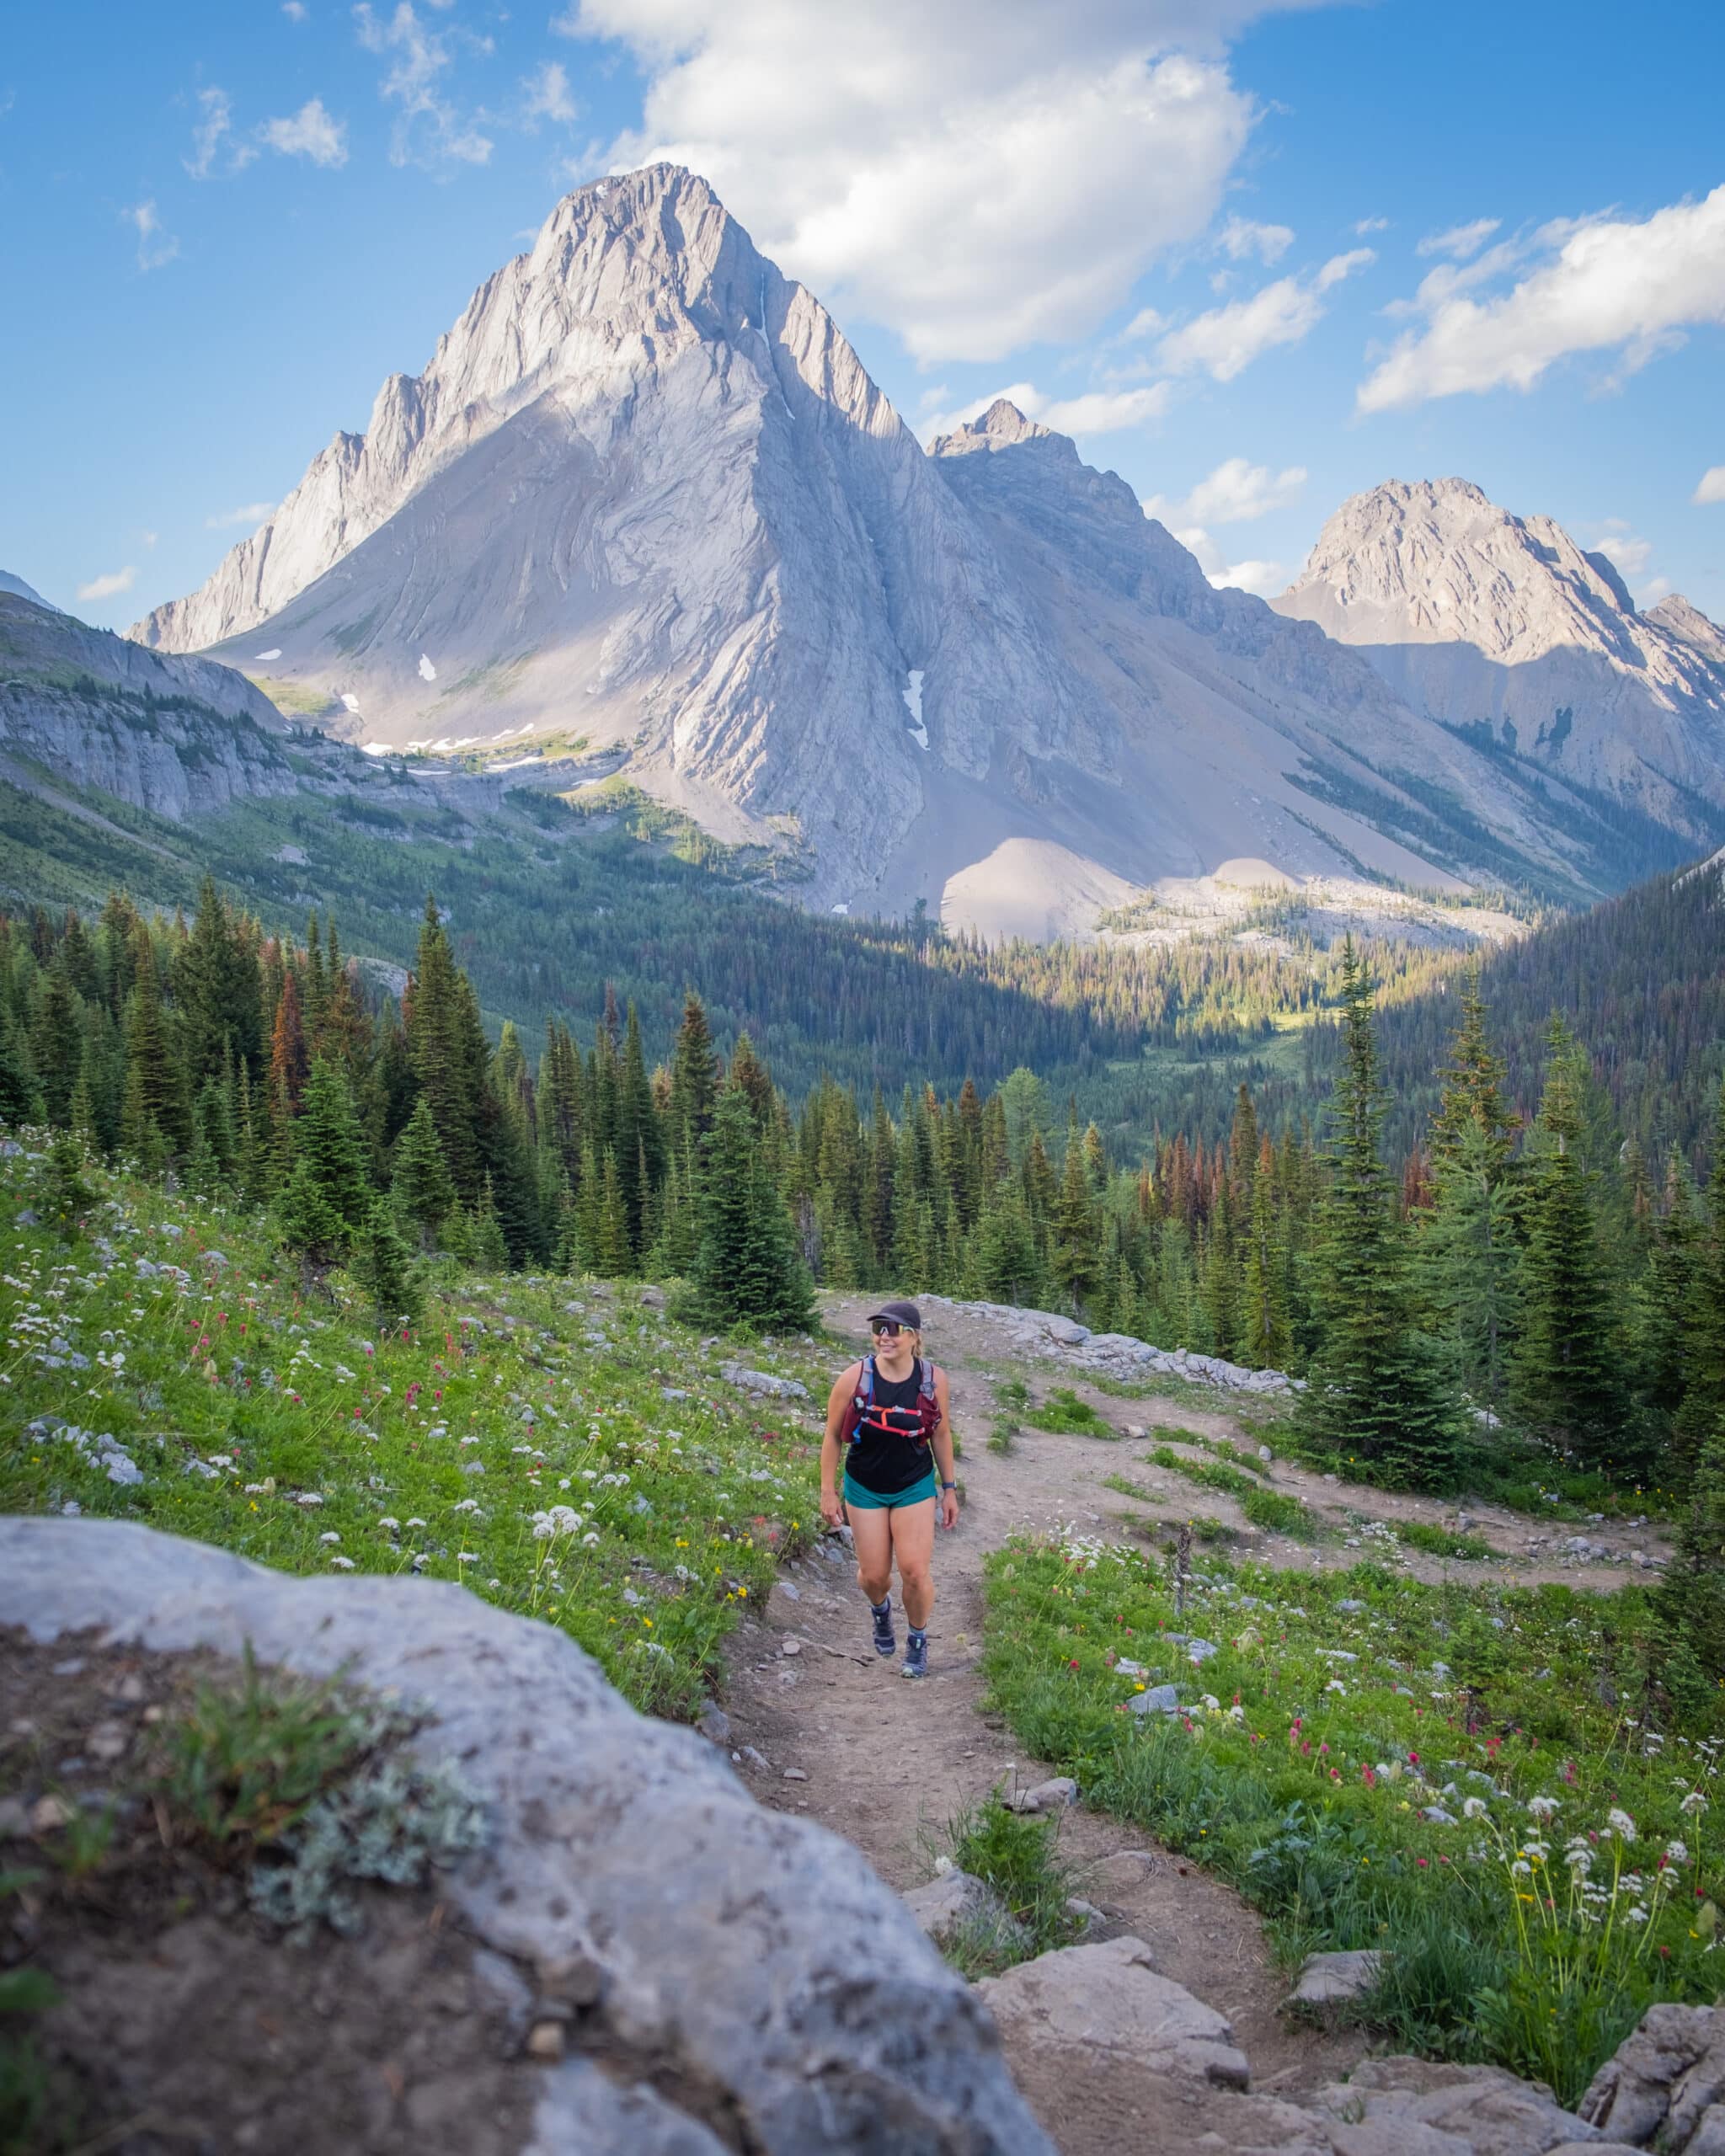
{"x":1621,"y":1823}
{"x":468,"y":1557}
{"x":590,"y":1541}
{"x":1694,"y":1801}
{"x":392,"y":1524}
{"x":1542,"y":1807}
{"x":1675,"y":1853}
{"x":1474,"y":1807}
{"x":331,"y":1537}
{"x":343,"y":1564}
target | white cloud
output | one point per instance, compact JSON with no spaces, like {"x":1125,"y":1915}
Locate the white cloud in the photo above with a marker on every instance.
{"x":1262,"y":577}
{"x":1460,"y":240}
{"x":109,"y":586}
{"x":1223,"y":343}
{"x":251,"y":514}
{"x":1241,"y":237}
{"x":429,"y":127}
{"x":1712,"y":486}
{"x":149,"y":538}
{"x":936,"y":165}
{"x":212,"y":143}
{"x":155,"y":246}
{"x":1601,"y":283}
{"x":1370,"y":225}
{"x":311,"y":132}
{"x":1630,"y":554}
{"x":1235,"y":493}
{"x":546,"y":94}
{"x":1098,"y":412}
{"x":295,"y":10}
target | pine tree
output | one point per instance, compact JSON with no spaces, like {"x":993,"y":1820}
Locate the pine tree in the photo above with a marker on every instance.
{"x":1008,"y":1264}
{"x":485,"y":1249}
{"x":157,"y":1123}
{"x":1703,"y":1403}
{"x":1564,"y":1376}
{"x":382,"y":1265}
{"x":1377,"y":1390}
{"x":1468,"y":1261}
{"x":329,"y":1180}
{"x":1688,"y":1638}
{"x":19,"y":1101}
{"x":1074,"y":1255}
{"x":439,"y":1031}
{"x":694,"y":1080}
{"x":420,"y":1187}
{"x":748,"y":1271}
{"x":56,"y":1045}
{"x":1265,"y":1341}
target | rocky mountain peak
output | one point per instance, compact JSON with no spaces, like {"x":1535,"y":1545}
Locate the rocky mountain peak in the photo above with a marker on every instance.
{"x":1689,"y":626}
{"x":20,"y":590}
{"x":1002,"y":426}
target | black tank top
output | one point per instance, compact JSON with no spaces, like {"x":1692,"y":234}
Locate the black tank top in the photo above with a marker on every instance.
{"x":886,"y":1462}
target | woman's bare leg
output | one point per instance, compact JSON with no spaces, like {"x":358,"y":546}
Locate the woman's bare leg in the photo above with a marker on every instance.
{"x":872,"y":1536}
{"x":913,"y":1545}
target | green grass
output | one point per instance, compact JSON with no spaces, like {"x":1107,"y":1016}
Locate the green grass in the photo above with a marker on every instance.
{"x":1128,"y":1488}
{"x":1278,"y":1512}
{"x":1003,"y":1435}
{"x":1443,"y":1541}
{"x":1018,"y":1855}
{"x":1303,"y":1778}
{"x":1066,"y":1415}
{"x":264,"y":1415}
{"x":1210,"y":1473}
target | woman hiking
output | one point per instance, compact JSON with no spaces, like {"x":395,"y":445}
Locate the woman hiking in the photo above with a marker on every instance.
{"x":890,"y":1419}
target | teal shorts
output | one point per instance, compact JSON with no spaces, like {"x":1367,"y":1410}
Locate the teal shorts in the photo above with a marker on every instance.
{"x":876,"y":1501}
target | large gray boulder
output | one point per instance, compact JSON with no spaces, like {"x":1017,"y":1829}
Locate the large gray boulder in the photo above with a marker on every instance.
{"x":751,"y":1959}
{"x":1427,"y":2107}
{"x":1666,"y":2080}
{"x":1102,"y":2003}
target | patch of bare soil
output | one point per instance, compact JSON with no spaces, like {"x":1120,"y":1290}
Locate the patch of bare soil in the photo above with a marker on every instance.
{"x":186,"y":2026}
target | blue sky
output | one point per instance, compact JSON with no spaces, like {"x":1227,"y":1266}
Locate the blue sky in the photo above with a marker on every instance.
{"x":1257,"y":257}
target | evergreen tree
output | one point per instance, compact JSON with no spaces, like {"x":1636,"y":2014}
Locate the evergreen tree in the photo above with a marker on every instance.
{"x":328,"y":1182}
{"x":1075,"y":1254}
{"x":1377,"y":1390}
{"x":56,"y":1045}
{"x":1009,"y":1266}
{"x":1688,"y":1642}
{"x":694,"y":1080}
{"x":420,"y":1187}
{"x":1469,"y":1259}
{"x":748,"y":1271}
{"x":1564,"y":1376}
{"x":18,"y":1099}
{"x":1703,"y":1403}
{"x":383,"y":1267}
{"x":156,"y":1122}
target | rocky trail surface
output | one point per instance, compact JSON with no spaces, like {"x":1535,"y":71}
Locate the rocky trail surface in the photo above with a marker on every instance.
{"x":821,"y":1728}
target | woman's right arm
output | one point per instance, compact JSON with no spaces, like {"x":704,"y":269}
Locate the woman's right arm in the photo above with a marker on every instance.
{"x":838,"y":1408}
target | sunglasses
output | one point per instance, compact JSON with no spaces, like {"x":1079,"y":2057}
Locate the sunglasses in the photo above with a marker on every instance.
{"x":887,"y":1329}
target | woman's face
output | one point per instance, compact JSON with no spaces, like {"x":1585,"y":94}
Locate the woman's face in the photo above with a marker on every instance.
{"x":899,"y":1341}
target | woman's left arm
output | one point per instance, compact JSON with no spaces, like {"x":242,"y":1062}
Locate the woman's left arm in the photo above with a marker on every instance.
{"x":948,"y":1503}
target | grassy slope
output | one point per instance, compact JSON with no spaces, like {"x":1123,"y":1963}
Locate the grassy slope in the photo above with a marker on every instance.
{"x":269,"y":1418}
{"x":1340,"y":1706}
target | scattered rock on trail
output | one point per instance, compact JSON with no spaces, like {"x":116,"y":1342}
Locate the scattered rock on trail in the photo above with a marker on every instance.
{"x":757,"y":1981}
{"x":1159,"y":1700}
{"x":1663,"y":2080}
{"x":1054,"y":1794}
{"x":1328,"y":1979}
{"x":1107,"y":2000}
{"x":956,"y":1898}
{"x":1429,"y":2107}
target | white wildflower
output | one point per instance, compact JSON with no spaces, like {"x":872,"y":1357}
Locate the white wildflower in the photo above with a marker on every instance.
{"x":386,"y":1521}
{"x":1474,"y":1807}
{"x":331,"y":1537}
{"x":1621,"y":1823}
{"x":1542,"y":1807}
{"x":343,"y":1564}
{"x":466,"y":1505}
{"x":1694,"y":1801}
{"x":468,"y":1557}
{"x":1675,"y":1853}
{"x":417,"y":1523}
{"x":590,"y":1541}
{"x":1521,"y":1869}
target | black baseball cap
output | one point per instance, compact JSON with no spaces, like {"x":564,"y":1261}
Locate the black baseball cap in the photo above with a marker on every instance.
{"x":904,"y":1314}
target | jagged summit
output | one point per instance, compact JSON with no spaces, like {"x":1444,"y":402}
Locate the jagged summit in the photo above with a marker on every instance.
{"x":645,"y":498}
{"x":20,"y":590}
{"x":1689,"y":626}
{"x":1483,"y":618}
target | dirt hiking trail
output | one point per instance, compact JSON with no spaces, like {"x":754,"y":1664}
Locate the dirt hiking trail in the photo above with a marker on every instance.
{"x":822,"y":1727}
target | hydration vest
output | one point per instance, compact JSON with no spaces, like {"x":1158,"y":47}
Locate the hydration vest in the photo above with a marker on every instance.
{"x":880,"y":1422}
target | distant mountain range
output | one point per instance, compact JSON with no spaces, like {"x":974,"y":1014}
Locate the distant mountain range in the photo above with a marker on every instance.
{"x":645,"y":497}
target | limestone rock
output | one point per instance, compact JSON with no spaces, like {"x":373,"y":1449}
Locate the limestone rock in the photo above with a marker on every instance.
{"x":742,"y":1954}
{"x":955,"y":1899}
{"x":1663,"y":2080}
{"x":762,"y":1383}
{"x":1054,"y":1794}
{"x":1411,"y":2103}
{"x":1329,"y":1979}
{"x":1109,"y":1999}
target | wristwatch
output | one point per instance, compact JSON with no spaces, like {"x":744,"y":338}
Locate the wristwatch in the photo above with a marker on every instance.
{"x":949,"y":1486}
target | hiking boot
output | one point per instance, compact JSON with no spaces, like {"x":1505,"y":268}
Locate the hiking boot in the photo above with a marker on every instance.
{"x":915,"y":1655}
{"x":885,"y":1642}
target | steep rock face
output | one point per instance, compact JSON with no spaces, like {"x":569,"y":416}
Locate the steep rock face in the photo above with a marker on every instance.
{"x":645,"y":495}
{"x":176,"y":736}
{"x":1689,"y":626}
{"x":20,"y":590}
{"x":1483,"y":619}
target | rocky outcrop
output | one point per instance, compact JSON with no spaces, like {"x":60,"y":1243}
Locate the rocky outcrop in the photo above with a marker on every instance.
{"x":1502,"y":624}
{"x":745,"y":1978}
{"x":176,"y":736}
{"x":1054,"y":1338}
{"x":645,"y":492}
{"x":1689,"y":625}
{"x":1666,"y":2083}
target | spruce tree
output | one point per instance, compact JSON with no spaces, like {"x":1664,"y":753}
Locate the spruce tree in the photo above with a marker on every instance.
{"x":329,"y":1182}
{"x":1703,"y":1403}
{"x":382,"y":1265}
{"x":694,"y":1081}
{"x":1688,"y":1637}
{"x":420,"y":1186}
{"x":19,"y":1101}
{"x":1075,"y":1254}
{"x":748,"y":1271}
{"x":56,"y":1045}
{"x":157,"y":1121}
{"x":1378,"y":1390}
{"x":1565,"y":1375}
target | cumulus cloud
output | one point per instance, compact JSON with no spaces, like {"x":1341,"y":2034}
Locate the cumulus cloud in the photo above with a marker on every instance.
{"x":544,"y":93}
{"x":310,"y":132}
{"x":1712,"y":485}
{"x":1235,"y":493}
{"x":1241,"y":237}
{"x":1225,"y":341}
{"x":110,"y":586}
{"x":1461,"y":241}
{"x":1601,"y":284}
{"x":1367,"y":225}
{"x":430,"y":129}
{"x":1262,"y":577}
{"x":1098,"y":412}
{"x":936,"y":165}
{"x":295,"y":10}
{"x":155,"y":246}
{"x":251,"y":514}
{"x":214,"y":147}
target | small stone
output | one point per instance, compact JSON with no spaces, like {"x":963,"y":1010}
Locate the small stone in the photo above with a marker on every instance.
{"x":73,"y":1666}
{"x":795,"y":1775}
{"x":1054,"y":1794}
{"x":714,"y":1723}
{"x":545,"y":2041}
{"x":1159,"y":1700}
{"x":14,"y":1819}
{"x":48,"y":1813}
{"x":574,"y":1980}
{"x":107,"y":1742}
{"x":1328,"y":1979}
{"x":790,"y":1646}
